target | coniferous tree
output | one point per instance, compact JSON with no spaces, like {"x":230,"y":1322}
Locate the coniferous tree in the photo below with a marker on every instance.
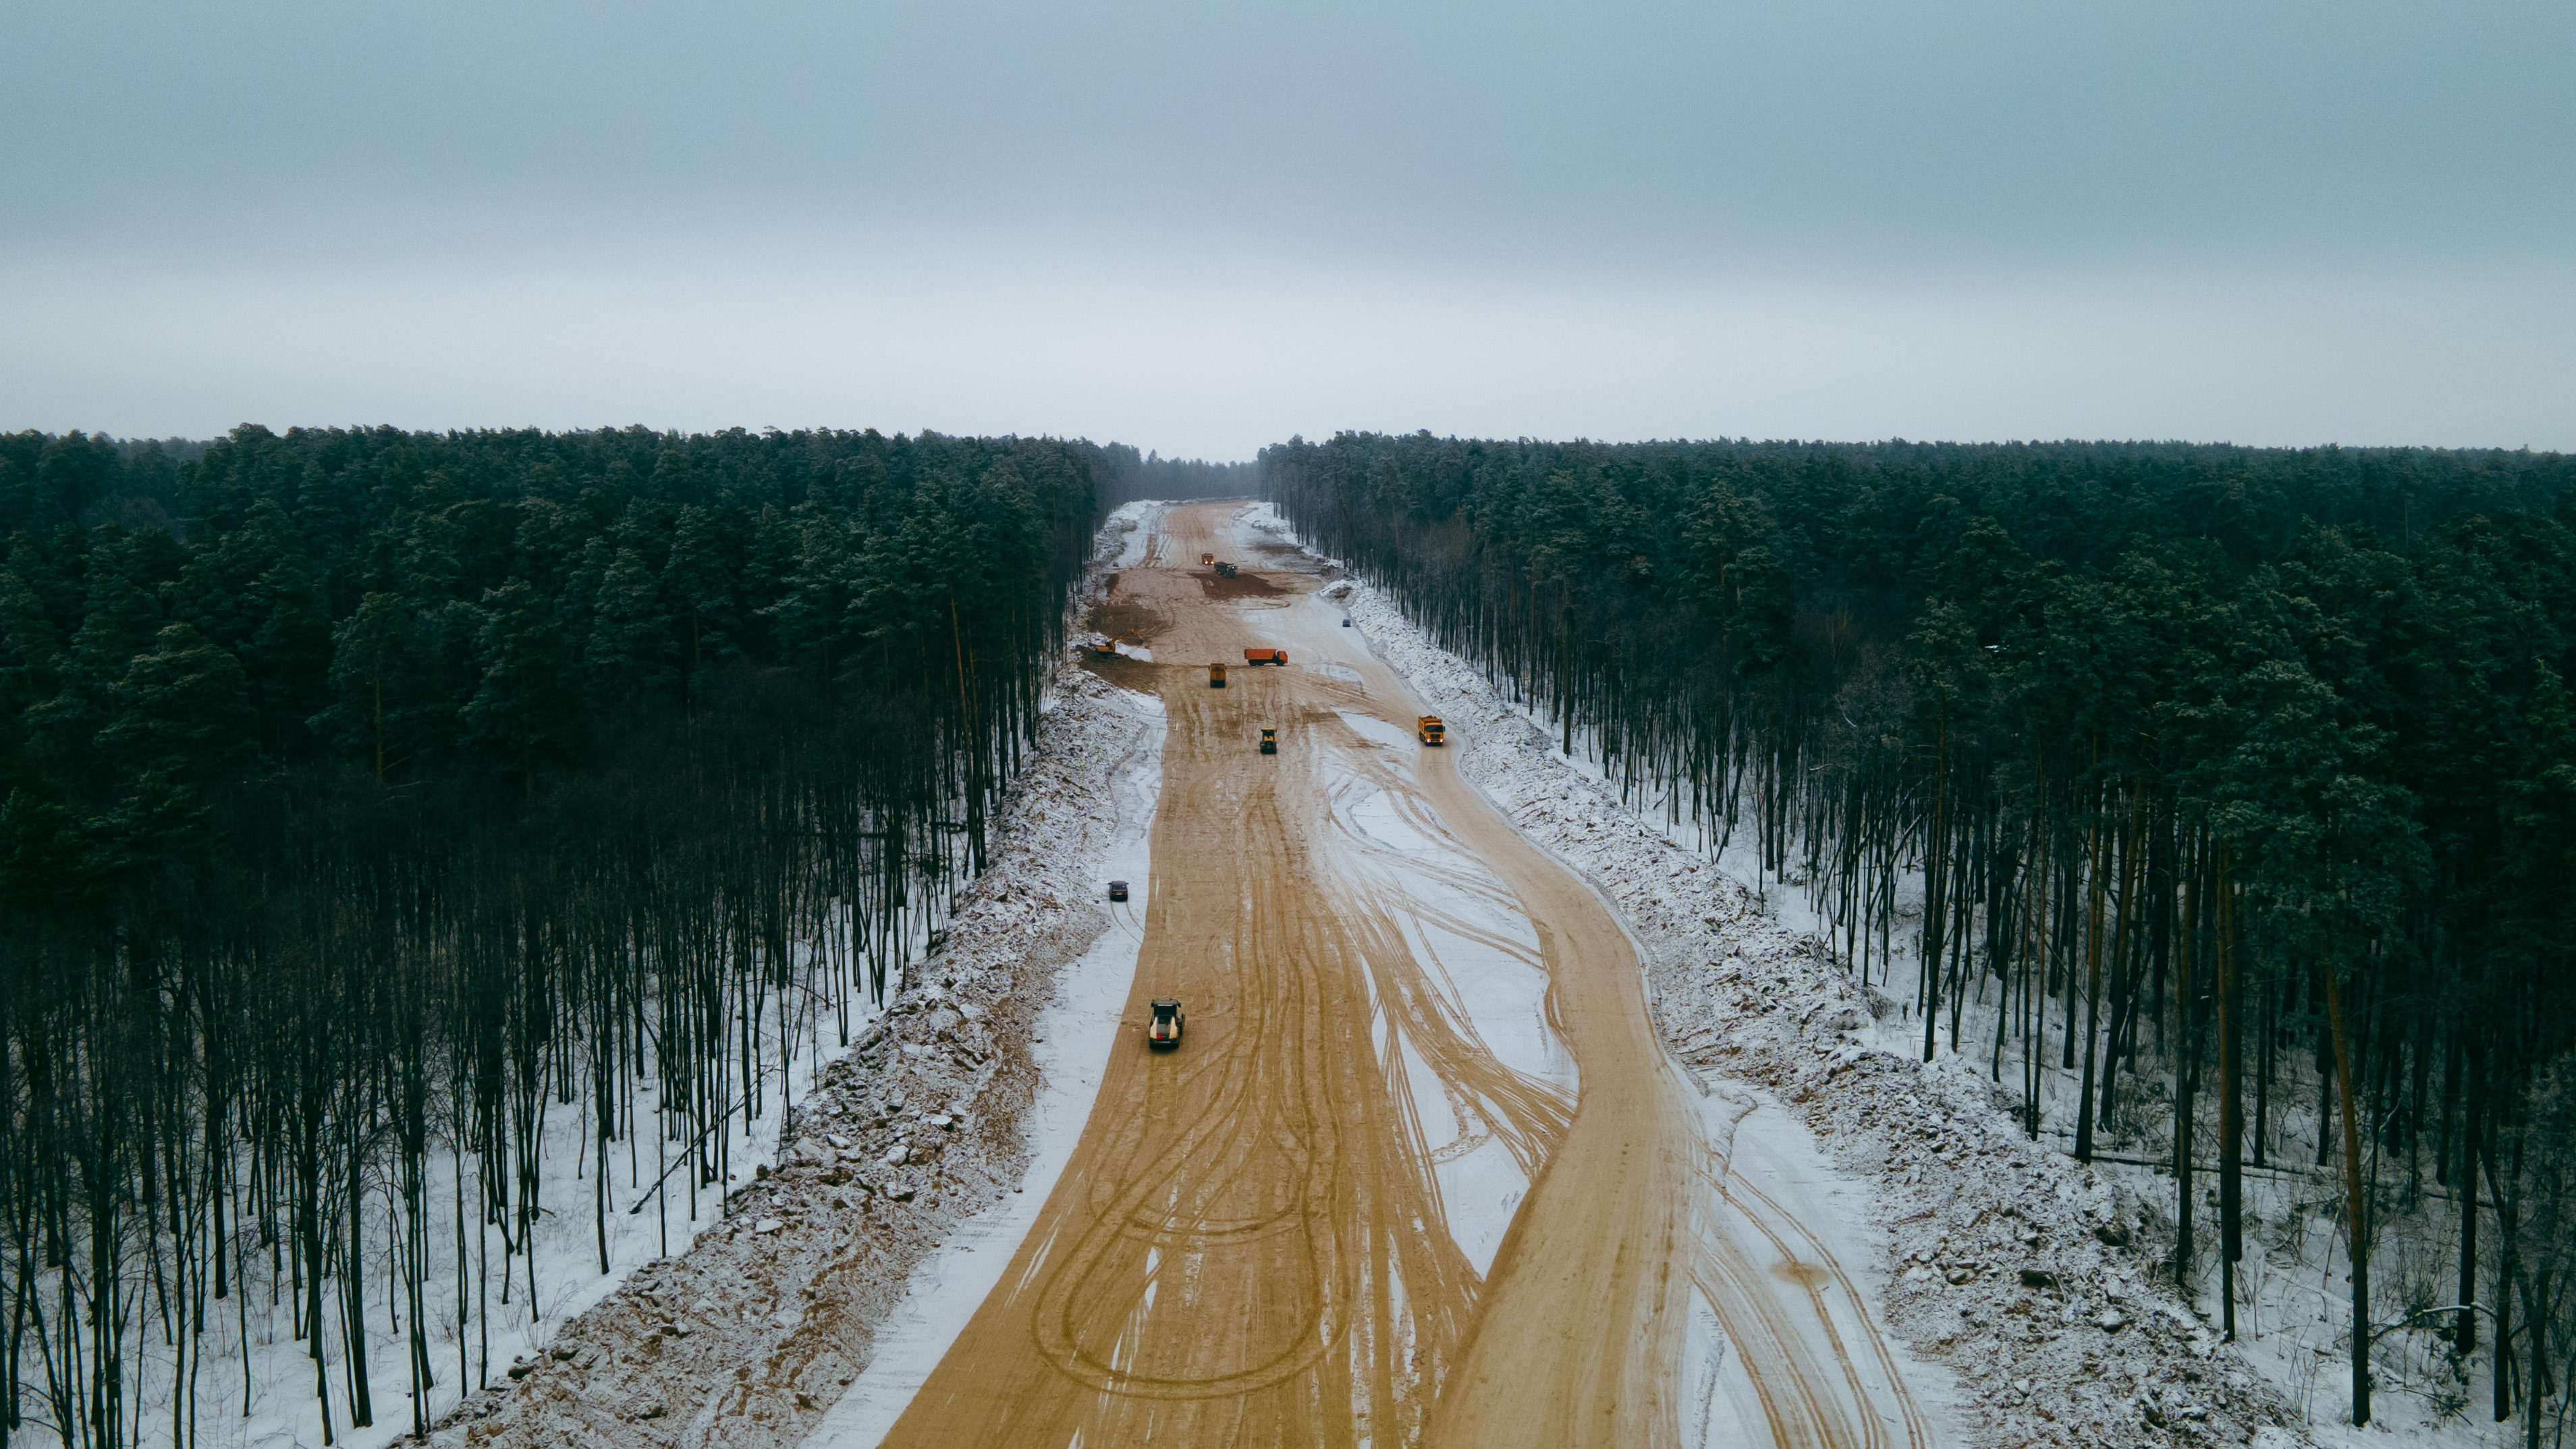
{"x":2174,"y":758}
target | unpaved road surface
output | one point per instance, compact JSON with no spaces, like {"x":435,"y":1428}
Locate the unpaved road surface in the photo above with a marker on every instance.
{"x":1421,"y":1171}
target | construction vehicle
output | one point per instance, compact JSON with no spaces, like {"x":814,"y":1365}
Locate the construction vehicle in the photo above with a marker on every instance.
{"x":1225,"y":571}
{"x":1207,"y":558}
{"x":1265,"y":656}
{"x":1270,"y":742}
{"x":1118,"y":890}
{"x":1428,"y":729}
{"x":1163,"y":1032}
{"x":1216,"y":676}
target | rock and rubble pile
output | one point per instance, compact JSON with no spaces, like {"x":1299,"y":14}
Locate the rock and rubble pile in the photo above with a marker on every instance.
{"x":748,"y":1337}
{"x":2032,"y":1279}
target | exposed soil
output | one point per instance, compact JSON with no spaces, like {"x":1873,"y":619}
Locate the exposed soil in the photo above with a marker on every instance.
{"x":1117,"y":618}
{"x":1248,"y":1245}
{"x":1128,"y":673}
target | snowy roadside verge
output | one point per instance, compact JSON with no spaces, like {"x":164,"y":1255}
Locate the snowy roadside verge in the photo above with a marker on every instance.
{"x":2022,"y":1273}
{"x":750,"y":1337}
{"x":1074,"y":1038}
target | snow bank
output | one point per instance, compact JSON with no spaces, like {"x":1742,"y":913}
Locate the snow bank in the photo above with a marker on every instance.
{"x":1075,"y":1036}
{"x":1130,"y":527}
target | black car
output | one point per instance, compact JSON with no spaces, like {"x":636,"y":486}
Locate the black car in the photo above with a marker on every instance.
{"x":1164,"y":1030}
{"x":1118,"y":890}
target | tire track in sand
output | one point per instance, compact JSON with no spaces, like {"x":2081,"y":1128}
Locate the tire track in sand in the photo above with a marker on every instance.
{"x":1250,"y":1243}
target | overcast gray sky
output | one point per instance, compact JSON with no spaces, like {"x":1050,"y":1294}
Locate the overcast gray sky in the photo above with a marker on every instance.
{"x":1200,"y":228}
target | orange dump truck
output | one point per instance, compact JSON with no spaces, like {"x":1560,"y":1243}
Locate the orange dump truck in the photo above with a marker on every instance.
{"x":1265,"y":656}
{"x":1428,"y":729}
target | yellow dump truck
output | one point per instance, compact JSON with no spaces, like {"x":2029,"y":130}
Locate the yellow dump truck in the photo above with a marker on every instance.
{"x":1428,"y":729}
{"x":1216,"y":676}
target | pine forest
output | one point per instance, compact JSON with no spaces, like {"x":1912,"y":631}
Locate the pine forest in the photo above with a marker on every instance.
{"x":2219,"y":804}
{"x":415,"y":842}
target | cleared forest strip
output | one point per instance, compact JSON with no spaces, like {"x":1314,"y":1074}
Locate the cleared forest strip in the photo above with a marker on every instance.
{"x":751,"y":1336}
{"x":2058,"y":1333}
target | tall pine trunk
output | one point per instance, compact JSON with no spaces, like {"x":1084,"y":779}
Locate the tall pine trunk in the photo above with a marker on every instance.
{"x":2356,"y":1202}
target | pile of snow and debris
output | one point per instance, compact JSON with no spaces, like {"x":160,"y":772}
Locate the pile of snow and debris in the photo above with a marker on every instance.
{"x":749,"y":1337}
{"x":2027,"y":1276}
{"x":1092,"y":641}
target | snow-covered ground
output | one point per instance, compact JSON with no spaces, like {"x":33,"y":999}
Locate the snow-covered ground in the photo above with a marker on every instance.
{"x":2293,"y":1294}
{"x":1463,"y":951}
{"x":2005,"y":1263}
{"x":923,"y":1126}
{"x":1132,"y":526}
{"x":253,"y":1377}
{"x":2293,"y":1290}
{"x":254,"y":1380}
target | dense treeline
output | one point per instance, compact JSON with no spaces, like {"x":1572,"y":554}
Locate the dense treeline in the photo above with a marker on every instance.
{"x":1125,"y":476}
{"x":2232,"y":791}
{"x":373,"y":798}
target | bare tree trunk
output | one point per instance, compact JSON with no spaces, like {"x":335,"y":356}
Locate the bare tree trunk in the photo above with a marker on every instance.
{"x":2093,"y":898}
{"x":2535,"y":1311}
{"x":2508,"y":1269}
{"x":2356,"y":1202}
{"x":2465,"y":1183}
{"x":1936,"y":876}
{"x":2231,"y":1116}
{"x":2186,"y":1071}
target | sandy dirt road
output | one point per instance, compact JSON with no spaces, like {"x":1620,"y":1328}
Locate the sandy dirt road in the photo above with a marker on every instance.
{"x":1365,"y":1201}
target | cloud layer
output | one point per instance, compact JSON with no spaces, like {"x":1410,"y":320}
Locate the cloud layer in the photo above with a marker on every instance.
{"x":1203,"y":227}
